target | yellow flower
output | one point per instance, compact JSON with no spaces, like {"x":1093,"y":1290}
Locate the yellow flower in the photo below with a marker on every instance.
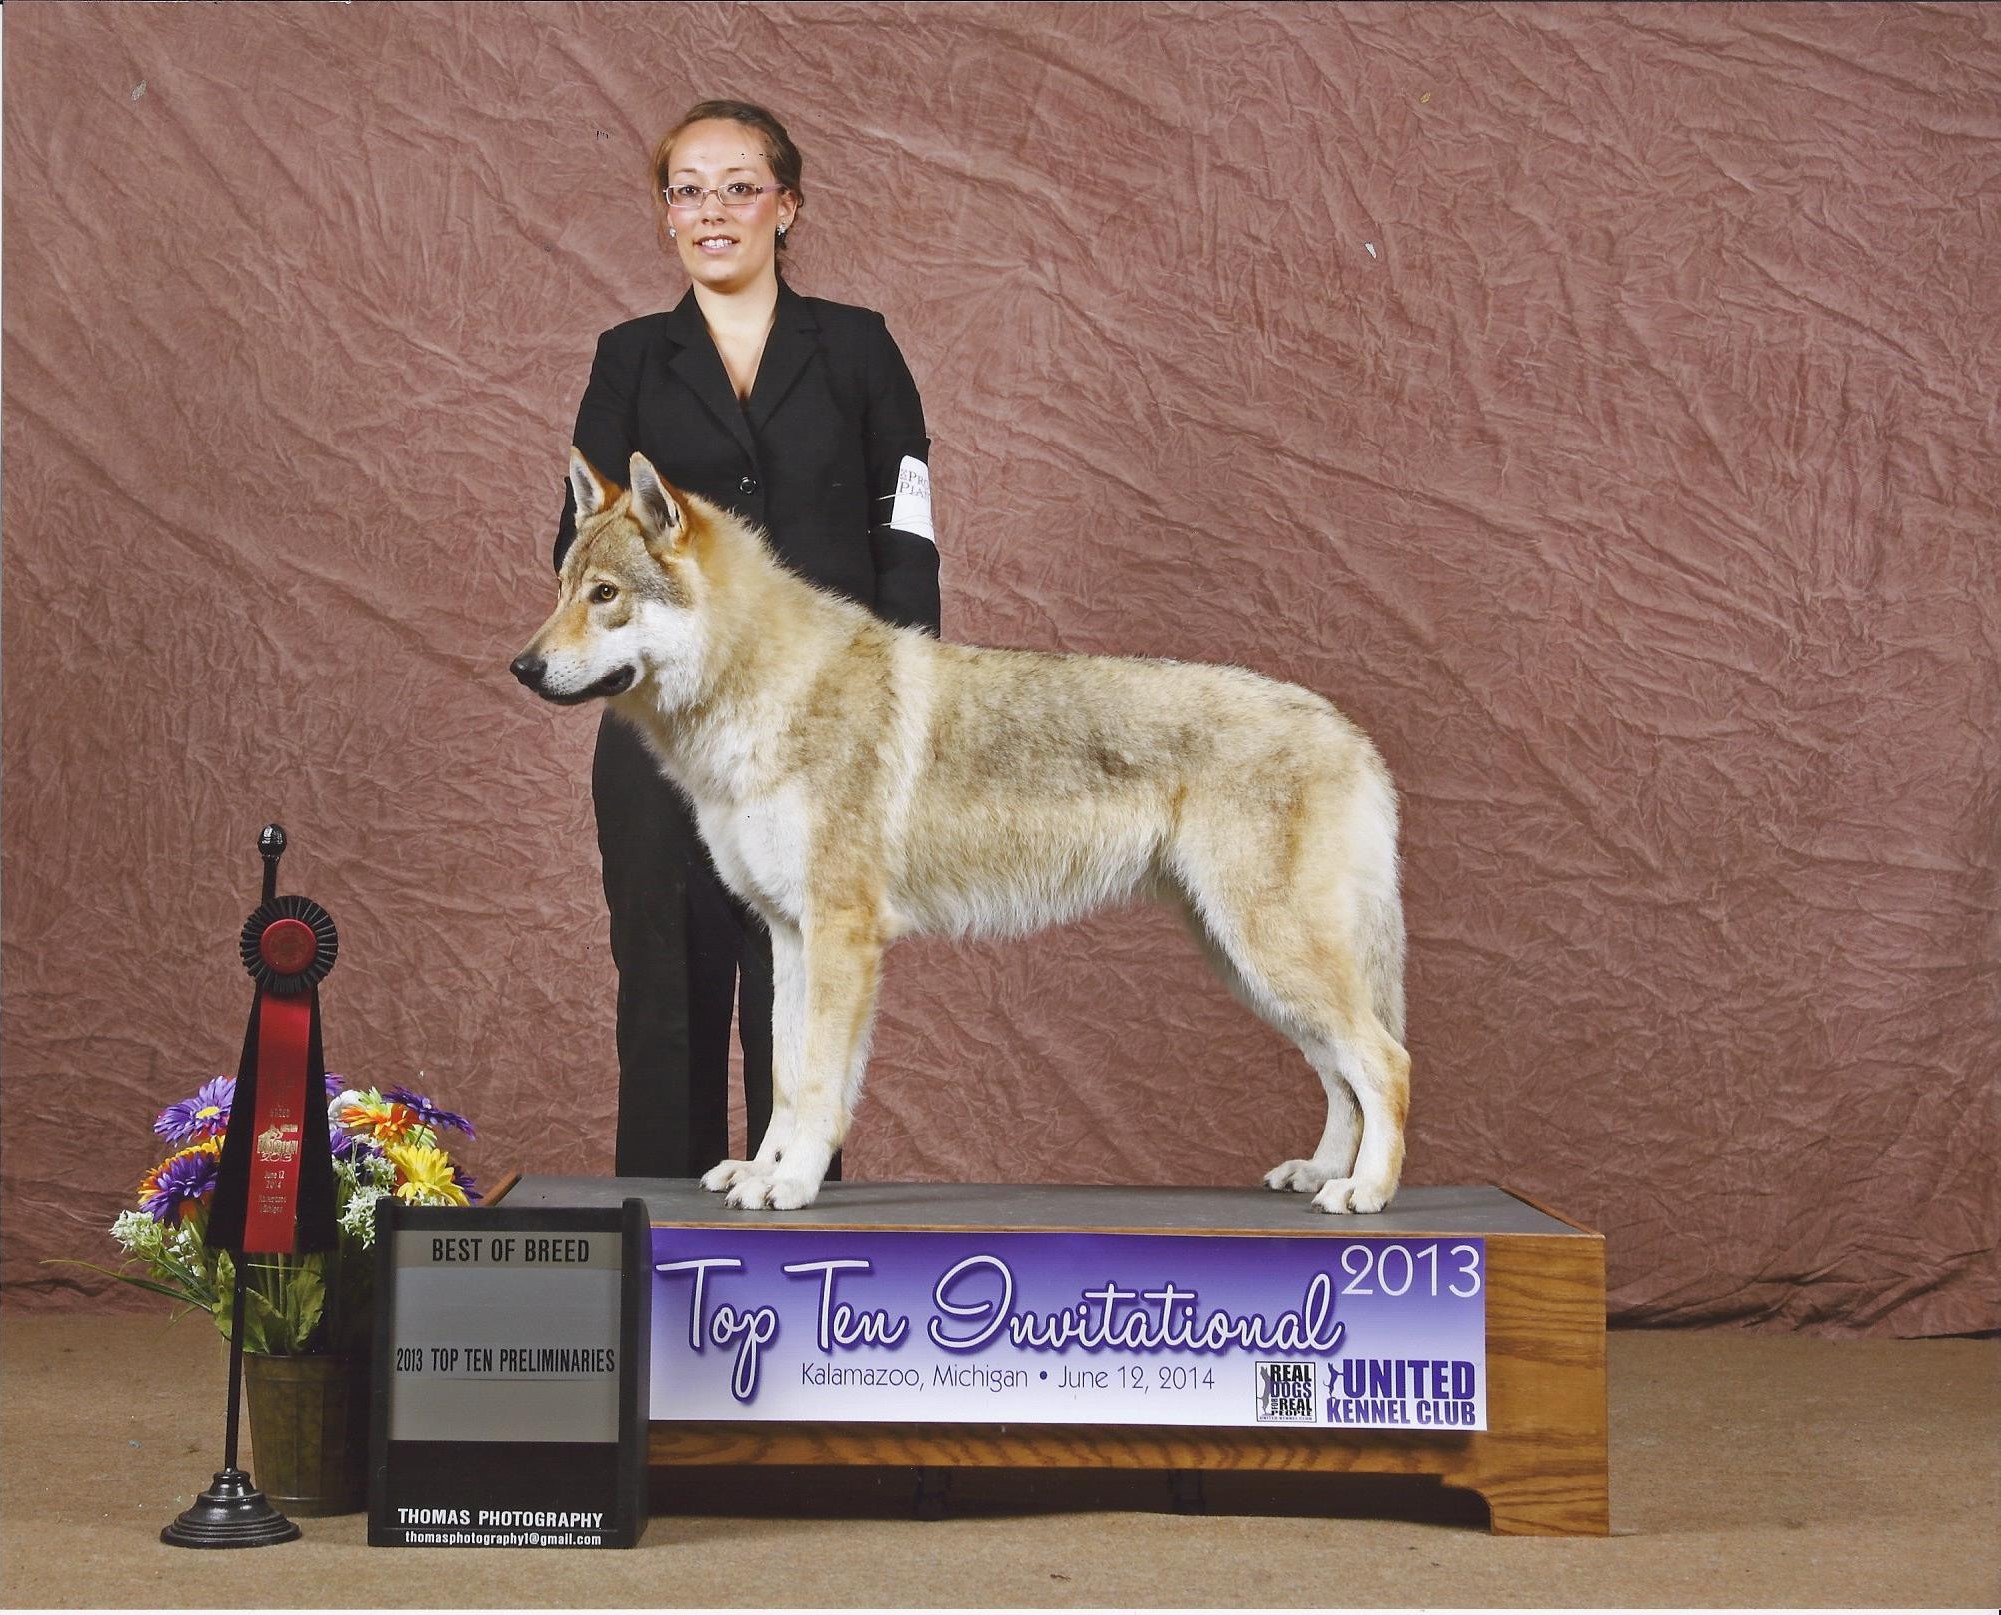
{"x":426,"y":1175}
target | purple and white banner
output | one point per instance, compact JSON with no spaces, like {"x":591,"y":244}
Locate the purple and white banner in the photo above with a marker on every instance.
{"x":1068,"y":1328}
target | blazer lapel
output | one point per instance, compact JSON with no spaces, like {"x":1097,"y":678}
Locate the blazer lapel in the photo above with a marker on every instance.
{"x":795,"y":334}
{"x":698,"y":364}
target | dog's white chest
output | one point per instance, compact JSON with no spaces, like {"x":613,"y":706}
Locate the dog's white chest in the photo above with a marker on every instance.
{"x":760,"y":848}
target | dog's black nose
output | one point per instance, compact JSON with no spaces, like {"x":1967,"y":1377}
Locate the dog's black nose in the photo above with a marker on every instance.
{"x":527,"y":667}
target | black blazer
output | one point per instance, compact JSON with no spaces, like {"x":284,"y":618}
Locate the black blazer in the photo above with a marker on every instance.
{"x":812,"y":457}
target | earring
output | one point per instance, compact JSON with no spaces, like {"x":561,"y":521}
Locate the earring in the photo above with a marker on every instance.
{"x":782,"y":229}
{"x":671,"y":234}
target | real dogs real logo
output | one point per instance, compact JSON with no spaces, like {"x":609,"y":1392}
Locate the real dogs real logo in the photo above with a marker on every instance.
{"x":1286,"y":1393}
{"x":857,"y":782}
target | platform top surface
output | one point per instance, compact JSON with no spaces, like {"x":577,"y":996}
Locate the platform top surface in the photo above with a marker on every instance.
{"x":1472,"y":1210}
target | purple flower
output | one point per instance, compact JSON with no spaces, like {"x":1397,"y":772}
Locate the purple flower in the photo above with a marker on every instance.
{"x":181,"y":1184}
{"x":353,"y":1148}
{"x":465,"y":1181}
{"x":203,"y":1116}
{"x":336,"y":1085}
{"x":428,"y":1113}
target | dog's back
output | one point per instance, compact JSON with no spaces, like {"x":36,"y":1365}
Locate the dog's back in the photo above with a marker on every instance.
{"x":1047,"y":786}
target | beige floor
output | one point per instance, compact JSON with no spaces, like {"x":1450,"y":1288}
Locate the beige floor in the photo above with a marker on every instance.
{"x":1746,"y":1470}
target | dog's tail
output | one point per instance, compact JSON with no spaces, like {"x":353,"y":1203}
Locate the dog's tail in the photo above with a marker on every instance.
{"x":1378,"y":914}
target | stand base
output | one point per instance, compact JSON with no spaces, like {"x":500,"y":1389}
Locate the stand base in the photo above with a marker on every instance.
{"x":232,"y":1513}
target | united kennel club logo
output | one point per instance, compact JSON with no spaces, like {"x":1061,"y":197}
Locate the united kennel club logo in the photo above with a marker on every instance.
{"x":1285,"y":1393}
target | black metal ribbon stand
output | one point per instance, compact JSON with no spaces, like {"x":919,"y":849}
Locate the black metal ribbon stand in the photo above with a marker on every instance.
{"x":233,"y":1513}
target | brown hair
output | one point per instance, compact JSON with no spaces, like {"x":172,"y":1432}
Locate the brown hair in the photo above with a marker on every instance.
{"x":779,"y":151}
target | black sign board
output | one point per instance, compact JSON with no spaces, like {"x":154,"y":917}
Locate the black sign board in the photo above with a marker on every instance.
{"x":511,"y":1353}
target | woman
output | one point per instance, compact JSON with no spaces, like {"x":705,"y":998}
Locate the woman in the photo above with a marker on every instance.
{"x":801,"y":416}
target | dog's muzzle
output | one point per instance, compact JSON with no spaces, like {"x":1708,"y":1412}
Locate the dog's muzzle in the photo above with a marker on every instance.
{"x":530,"y":669}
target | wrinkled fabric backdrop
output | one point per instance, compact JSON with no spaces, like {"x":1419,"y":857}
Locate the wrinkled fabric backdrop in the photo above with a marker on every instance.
{"x":1597,"y":403}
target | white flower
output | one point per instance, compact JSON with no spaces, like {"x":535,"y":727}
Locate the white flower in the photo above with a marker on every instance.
{"x":340,"y":1102}
{"x":357,"y":1218}
{"x":188,"y":1245}
{"x":138,"y":1233}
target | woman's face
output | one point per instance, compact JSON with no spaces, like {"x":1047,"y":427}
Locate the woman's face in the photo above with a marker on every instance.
{"x":727,"y":246}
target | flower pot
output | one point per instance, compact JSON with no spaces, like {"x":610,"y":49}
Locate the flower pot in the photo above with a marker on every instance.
{"x":309,"y":1431}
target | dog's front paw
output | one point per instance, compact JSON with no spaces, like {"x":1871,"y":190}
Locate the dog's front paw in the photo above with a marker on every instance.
{"x":1298,"y":1177}
{"x":724,"y":1173}
{"x":1353,"y":1195}
{"x":793,"y":1194}
{"x":750,"y":1193}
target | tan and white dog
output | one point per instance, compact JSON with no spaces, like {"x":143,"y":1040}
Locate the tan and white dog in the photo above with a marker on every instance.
{"x":856,"y":783}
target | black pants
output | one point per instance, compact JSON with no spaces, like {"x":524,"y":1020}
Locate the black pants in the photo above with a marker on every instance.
{"x":682,"y":943}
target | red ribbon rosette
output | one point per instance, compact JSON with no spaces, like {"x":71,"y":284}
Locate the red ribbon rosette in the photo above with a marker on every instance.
{"x":289,"y":945}
{"x":274,"y":1189}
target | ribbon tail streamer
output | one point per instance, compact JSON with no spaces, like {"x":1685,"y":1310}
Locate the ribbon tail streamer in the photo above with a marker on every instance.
{"x":274,"y":1190}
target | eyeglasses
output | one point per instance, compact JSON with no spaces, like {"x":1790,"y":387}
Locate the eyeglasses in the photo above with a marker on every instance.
{"x":737,"y":195}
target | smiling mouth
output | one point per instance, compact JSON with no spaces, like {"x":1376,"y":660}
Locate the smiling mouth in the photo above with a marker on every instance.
{"x":715,"y":243}
{"x":615,"y":683}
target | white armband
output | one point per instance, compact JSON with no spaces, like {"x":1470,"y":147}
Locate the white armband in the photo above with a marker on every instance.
{"x":911,"y":513}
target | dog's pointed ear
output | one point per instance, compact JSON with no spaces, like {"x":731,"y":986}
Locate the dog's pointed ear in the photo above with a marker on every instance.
{"x":590,"y":491}
{"x":653,"y":502}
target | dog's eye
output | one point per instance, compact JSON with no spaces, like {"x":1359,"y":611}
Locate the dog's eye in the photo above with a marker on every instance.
{"x":604,"y":592}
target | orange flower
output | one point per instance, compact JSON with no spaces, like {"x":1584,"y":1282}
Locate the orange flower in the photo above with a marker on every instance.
{"x":382,"y":1120}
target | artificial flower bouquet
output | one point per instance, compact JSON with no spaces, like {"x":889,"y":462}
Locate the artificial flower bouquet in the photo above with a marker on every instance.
{"x":384,"y":1142}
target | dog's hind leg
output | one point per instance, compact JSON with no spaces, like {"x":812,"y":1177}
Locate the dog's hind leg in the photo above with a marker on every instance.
{"x":1314,"y":994}
{"x":840,"y":971}
{"x":788,"y":1048}
{"x":1334,"y":1157}
{"x":1378,"y":1070}
{"x":1323,"y":965}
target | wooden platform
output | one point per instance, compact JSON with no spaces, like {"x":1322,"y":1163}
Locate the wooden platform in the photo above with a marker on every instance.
{"x":1541,"y":1465}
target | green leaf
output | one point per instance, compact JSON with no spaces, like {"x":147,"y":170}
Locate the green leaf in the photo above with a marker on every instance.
{"x":284,"y":1298}
{"x":199,"y":1286}
{"x":189,"y":1294}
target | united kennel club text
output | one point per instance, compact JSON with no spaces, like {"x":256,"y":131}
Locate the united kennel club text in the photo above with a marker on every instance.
{"x":1401,"y":1391}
